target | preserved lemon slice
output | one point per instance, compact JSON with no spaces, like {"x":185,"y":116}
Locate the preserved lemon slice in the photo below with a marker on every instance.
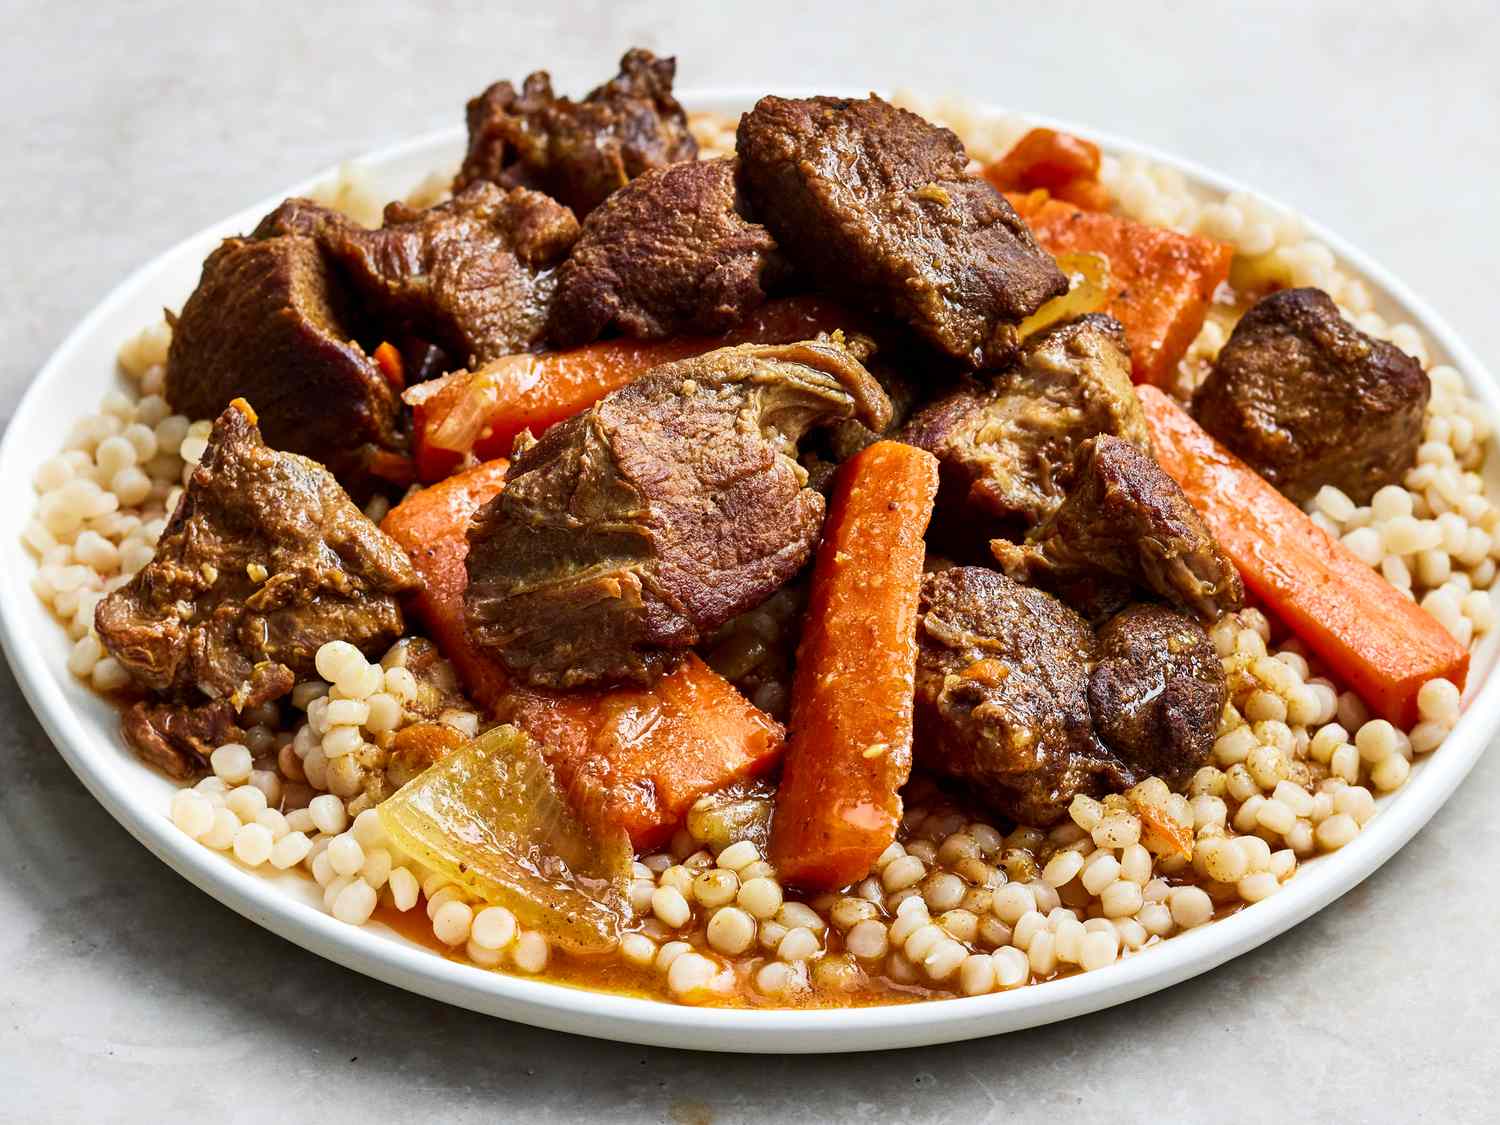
{"x":1089,"y":275}
{"x":491,"y":817}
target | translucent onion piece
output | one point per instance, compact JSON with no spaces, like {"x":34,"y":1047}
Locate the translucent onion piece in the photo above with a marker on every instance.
{"x":491,"y":817}
{"x":507,"y":379}
{"x":1089,"y":275}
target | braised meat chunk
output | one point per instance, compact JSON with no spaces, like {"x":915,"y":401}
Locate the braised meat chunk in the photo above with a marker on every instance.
{"x":473,"y":275}
{"x":635,"y":529}
{"x":1127,"y":518}
{"x":1007,"y":449}
{"x":265,"y":559}
{"x":1002,"y":695}
{"x":875,"y":203}
{"x":178,"y":740}
{"x":578,"y":152}
{"x":670,"y":253}
{"x":1157,"y":691}
{"x":271,"y":323}
{"x":1306,"y":399}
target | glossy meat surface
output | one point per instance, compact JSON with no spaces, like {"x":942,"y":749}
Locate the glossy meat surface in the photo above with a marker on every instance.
{"x":633,"y":530}
{"x":1306,"y":399}
{"x":265,"y":559}
{"x":874,"y":202}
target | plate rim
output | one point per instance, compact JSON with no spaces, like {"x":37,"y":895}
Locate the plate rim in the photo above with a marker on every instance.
{"x":646,"y":1021}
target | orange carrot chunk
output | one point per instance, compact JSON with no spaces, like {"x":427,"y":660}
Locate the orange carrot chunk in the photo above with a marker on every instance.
{"x":641,"y":758}
{"x":481,"y":412}
{"x":1379,"y":642}
{"x":432,"y":527}
{"x":637,"y":759}
{"x":1162,"y":281}
{"x":839,"y":805}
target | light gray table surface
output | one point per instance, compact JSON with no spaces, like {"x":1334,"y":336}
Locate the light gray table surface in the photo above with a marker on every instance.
{"x":126,"y":994}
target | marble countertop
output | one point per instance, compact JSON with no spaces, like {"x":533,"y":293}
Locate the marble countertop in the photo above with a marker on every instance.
{"x":129,"y":995}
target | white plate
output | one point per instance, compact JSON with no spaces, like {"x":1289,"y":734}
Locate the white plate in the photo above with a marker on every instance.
{"x":84,"y":727}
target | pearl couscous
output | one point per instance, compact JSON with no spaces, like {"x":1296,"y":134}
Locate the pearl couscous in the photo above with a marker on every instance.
{"x":960,"y":904}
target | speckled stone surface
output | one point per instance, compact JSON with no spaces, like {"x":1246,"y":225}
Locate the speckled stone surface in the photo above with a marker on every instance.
{"x":126,"y":994}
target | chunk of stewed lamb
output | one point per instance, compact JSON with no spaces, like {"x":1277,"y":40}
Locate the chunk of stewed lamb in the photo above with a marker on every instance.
{"x":272,"y":323}
{"x":1126,"y":518}
{"x":1002,"y":696}
{"x":473,"y":275}
{"x":1007,"y":448}
{"x":635,"y":529}
{"x":874,"y":203}
{"x":671,"y":253}
{"x":264,"y":560}
{"x":1157,"y":691}
{"x":578,"y":152}
{"x":1306,"y":399}
{"x":176,"y":739}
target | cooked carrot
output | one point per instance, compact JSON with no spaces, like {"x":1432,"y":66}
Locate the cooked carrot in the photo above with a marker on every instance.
{"x":432,"y":527}
{"x":388,"y":359}
{"x":1060,"y":163}
{"x":1162,"y":281}
{"x":839,"y":805}
{"x":483,"y":411}
{"x":639,"y":758}
{"x":1376,"y":640}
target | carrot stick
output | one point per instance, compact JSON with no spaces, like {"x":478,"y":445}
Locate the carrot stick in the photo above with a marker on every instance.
{"x":637,"y":758}
{"x":838,"y":805}
{"x":1379,"y":642}
{"x":1162,"y":281}
{"x":431,"y":526}
{"x":483,"y":411}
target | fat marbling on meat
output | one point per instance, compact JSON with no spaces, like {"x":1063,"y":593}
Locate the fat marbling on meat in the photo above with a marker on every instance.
{"x":1125,"y":517}
{"x":1006,"y":447}
{"x":633,"y":530}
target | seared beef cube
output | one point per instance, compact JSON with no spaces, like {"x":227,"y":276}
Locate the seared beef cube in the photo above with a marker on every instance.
{"x":671,"y":253}
{"x":1002,"y":700}
{"x":473,"y":275}
{"x":635,"y":529}
{"x":178,"y":739}
{"x":578,"y":152}
{"x":1306,"y":399}
{"x":1007,"y":450}
{"x":265,"y":559}
{"x":1127,"y":518}
{"x":1157,"y":691}
{"x":270,"y":323}
{"x":874,"y":203}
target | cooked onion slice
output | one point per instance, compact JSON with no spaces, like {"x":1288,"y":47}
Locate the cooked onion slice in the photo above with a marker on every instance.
{"x":491,"y":817}
{"x":1088,"y":274}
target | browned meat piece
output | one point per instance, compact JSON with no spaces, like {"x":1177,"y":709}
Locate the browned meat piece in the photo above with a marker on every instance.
{"x":1002,"y":695}
{"x":1307,"y":399}
{"x":874,"y":203}
{"x":578,"y":152}
{"x":671,"y":253}
{"x":1157,"y":691}
{"x":473,"y":275}
{"x":1007,"y":450}
{"x":265,"y":559}
{"x":270,"y":323}
{"x":176,"y":739}
{"x":1125,"y":517}
{"x":635,"y":529}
